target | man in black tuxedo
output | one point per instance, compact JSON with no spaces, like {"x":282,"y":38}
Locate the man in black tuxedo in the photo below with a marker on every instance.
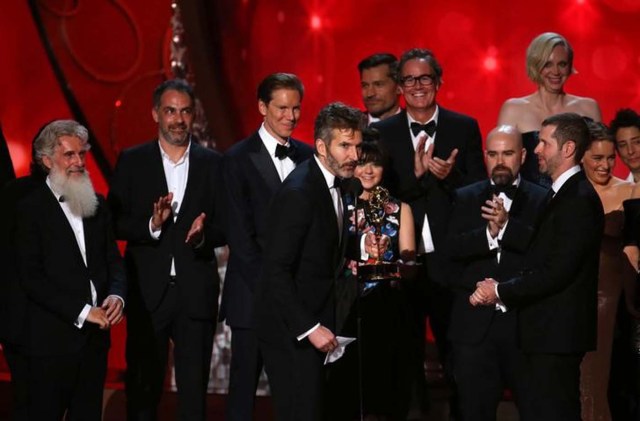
{"x":432,"y":151}
{"x":556,"y":294}
{"x":254,"y":168}
{"x":72,"y":274}
{"x":379,"y":86}
{"x":14,"y":305}
{"x":490,"y":230}
{"x":295,"y":301}
{"x":165,"y":196}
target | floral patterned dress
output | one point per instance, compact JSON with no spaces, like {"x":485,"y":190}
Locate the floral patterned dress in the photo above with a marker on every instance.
{"x":386,"y":337}
{"x":390,"y":226}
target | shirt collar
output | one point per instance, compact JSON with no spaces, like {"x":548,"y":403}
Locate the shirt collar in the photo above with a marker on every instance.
{"x":269,"y":141}
{"x":434,"y":117}
{"x":182,"y":159}
{"x":373,"y":119}
{"x":55,"y":193}
{"x":557,"y":185}
{"x":328,"y":177}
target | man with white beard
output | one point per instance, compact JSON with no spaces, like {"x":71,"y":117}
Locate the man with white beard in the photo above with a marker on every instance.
{"x":72,"y":274}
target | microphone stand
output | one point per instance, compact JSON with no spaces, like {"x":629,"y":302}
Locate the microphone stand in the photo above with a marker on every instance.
{"x":354,"y":187}
{"x":358,"y":315}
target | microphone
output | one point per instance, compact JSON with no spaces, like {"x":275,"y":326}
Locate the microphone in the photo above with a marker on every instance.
{"x":352,"y":186}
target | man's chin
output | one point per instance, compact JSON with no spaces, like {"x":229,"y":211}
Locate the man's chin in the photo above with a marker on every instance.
{"x":346,"y":173}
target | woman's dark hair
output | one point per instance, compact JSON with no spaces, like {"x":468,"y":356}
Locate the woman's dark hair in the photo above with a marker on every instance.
{"x":371,"y":149}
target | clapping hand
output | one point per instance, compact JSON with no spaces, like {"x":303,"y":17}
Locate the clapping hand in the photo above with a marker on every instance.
{"x":495,"y":214}
{"x":161,"y":211}
{"x":196,"y":233}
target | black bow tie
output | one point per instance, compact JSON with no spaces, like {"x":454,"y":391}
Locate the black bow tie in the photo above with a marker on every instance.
{"x":509,"y":190}
{"x":337,"y":181}
{"x":282,"y":151}
{"x":429,"y":128}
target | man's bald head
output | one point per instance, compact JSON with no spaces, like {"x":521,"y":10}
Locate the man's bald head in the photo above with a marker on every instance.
{"x":504,"y":154}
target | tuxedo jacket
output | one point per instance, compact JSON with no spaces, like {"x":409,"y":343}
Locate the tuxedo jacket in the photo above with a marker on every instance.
{"x":428,"y":195}
{"x":138,"y":182}
{"x":55,"y":278}
{"x":251,"y":181}
{"x":301,"y":260}
{"x":472,"y":261}
{"x":13,"y":304}
{"x":556,"y":295}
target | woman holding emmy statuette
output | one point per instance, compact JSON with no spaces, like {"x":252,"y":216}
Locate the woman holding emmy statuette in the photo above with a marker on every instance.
{"x":389,"y":342}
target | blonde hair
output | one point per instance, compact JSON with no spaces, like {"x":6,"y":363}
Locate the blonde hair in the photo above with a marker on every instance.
{"x":539,"y":51}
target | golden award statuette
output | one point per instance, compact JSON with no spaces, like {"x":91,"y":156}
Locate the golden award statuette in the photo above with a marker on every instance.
{"x":374,"y":211}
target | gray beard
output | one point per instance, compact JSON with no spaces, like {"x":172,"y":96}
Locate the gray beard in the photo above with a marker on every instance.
{"x":77,"y":191}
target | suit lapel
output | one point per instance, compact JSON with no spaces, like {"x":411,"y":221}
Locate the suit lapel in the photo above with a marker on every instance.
{"x":403,"y":142}
{"x":195,"y":165}
{"x":519,"y":199}
{"x":442,"y":146}
{"x":264,"y":164}
{"x":89,"y":228}
{"x":326,"y":201}
{"x":157,"y":168}
{"x":65,"y":231}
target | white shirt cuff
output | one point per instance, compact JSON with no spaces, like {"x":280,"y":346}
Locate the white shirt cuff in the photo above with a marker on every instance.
{"x":364,"y":256}
{"x":308,"y":332}
{"x":154,"y":234}
{"x":499,"y":304}
{"x":493,"y":242}
{"x":118,"y":297}
{"x":83,"y":316}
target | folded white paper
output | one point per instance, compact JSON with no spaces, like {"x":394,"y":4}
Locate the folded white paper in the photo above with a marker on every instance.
{"x":338,"y":352}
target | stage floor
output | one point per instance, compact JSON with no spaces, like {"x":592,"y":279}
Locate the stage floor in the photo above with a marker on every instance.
{"x":114,"y":403}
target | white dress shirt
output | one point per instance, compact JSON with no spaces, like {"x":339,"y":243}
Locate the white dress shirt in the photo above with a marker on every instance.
{"x":176,"y":175}
{"x":283,"y":166}
{"x":426,"y":239}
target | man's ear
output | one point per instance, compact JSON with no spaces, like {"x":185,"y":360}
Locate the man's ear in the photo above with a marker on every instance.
{"x":47,"y":161}
{"x":262,"y":107}
{"x":321,"y":147}
{"x":569,"y":148}
{"x":154,"y":114}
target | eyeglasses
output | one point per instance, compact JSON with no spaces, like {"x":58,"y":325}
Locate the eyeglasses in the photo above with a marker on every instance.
{"x":425,"y":80}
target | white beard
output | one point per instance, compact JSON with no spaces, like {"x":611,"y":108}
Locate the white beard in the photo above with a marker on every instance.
{"x":77,"y":191}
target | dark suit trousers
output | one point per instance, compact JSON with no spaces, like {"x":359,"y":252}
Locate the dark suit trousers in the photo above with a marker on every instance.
{"x":19,"y":368}
{"x":483,"y":370}
{"x":147,"y":354}
{"x":552,"y":387}
{"x":296,"y":377}
{"x":72,"y":383}
{"x":246,"y":366}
